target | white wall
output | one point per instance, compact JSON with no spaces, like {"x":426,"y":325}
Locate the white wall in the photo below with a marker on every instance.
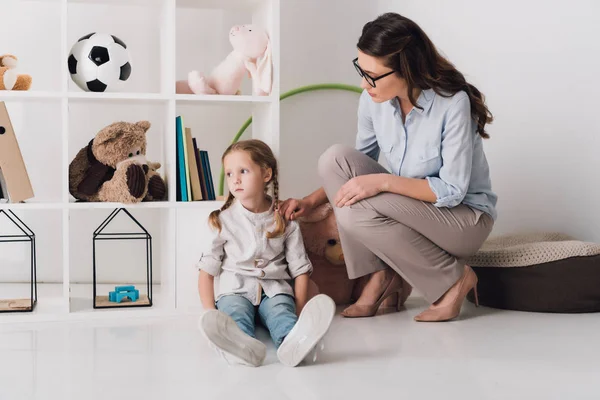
{"x":536,"y":62}
{"x":318,"y":42}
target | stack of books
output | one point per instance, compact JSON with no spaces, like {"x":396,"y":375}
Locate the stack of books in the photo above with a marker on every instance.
{"x":194,"y":177}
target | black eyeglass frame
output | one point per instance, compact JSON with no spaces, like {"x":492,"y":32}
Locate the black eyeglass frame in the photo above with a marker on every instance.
{"x":370,"y":80}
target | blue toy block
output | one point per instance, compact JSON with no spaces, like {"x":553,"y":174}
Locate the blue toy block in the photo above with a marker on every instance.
{"x":124,"y":288}
{"x":122,"y":292}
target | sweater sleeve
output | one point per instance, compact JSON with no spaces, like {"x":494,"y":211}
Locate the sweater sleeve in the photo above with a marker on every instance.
{"x":212,"y":258}
{"x":295,"y":252}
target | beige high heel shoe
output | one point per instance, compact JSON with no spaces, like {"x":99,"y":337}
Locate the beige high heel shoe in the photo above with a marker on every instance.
{"x":464,"y":285}
{"x":358,"y":310}
{"x":396,"y":301}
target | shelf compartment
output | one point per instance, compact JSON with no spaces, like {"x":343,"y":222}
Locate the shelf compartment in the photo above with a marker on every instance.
{"x":16,"y":281}
{"x":202,"y":36}
{"x":213,"y":126}
{"x":87,"y":118}
{"x":38,"y":128}
{"x":119,"y":260}
{"x":36,"y":45}
{"x":135,"y":24}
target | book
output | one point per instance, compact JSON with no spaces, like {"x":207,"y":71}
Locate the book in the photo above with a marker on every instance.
{"x":209,"y":181}
{"x":192,"y":167}
{"x":181,"y":172}
{"x":200,"y":169}
{"x":16,"y":186}
{"x":186,"y":163}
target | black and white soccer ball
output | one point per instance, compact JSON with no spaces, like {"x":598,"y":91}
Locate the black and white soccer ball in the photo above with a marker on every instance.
{"x":98,"y":62}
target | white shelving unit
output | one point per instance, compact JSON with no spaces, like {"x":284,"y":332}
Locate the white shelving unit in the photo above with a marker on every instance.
{"x":166,"y":40}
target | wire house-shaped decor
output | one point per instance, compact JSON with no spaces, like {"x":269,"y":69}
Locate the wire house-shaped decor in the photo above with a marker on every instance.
{"x":25,"y":235}
{"x":125,"y":295}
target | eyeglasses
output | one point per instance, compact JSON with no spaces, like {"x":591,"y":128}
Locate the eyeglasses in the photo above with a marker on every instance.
{"x":370,"y":80}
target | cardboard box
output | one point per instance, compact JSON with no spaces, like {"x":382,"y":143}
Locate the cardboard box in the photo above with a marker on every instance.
{"x":14,"y":178}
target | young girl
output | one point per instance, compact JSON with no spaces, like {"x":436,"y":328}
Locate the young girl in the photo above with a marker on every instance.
{"x":252,"y":258}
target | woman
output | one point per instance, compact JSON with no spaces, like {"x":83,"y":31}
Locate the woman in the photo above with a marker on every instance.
{"x":415,"y":226}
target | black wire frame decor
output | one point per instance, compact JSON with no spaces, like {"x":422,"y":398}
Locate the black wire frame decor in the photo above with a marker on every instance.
{"x":100,"y":235}
{"x":27,"y":235}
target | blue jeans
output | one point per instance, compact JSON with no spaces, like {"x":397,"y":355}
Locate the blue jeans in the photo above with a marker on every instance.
{"x":277,"y":313}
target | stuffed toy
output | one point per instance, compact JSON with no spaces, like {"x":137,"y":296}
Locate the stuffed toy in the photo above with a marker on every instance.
{"x":113,"y":167}
{"x":10,"y":79}
{"x":322,"y":242}
{"x":251,"y":55}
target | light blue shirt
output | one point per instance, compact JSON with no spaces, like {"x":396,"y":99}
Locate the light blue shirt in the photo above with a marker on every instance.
{"x":438,"y":143}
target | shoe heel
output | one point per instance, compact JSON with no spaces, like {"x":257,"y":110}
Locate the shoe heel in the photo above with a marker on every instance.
{"x":399,"y":306}
{"x":476,"y":296}
{"x":388,"y":305}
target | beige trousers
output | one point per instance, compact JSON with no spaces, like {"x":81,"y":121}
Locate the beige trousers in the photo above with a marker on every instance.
{"x":425,"y":244}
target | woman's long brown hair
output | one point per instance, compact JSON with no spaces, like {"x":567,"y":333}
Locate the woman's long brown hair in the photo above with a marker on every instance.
{"x":261,"y":154}
{"x":408,"y":51}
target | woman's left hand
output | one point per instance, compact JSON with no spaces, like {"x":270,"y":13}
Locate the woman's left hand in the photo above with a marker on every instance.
{"x":359,"y":188}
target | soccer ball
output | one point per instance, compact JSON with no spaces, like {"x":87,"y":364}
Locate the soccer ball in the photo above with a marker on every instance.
{"x":98,"y":61}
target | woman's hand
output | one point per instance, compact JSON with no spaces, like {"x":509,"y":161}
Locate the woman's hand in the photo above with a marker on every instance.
{"x":292,"y":209}
{"x":361,"y":187}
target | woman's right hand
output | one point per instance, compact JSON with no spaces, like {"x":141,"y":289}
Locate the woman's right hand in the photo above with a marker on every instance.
{"x":292,"y":209}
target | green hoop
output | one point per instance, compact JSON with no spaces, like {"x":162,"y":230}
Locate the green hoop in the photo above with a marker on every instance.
{"x":309,"y":88}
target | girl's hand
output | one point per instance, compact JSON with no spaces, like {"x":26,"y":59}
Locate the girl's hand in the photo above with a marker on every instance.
{"x":359,"y":188}
{"x":301,"y":292}
{"x":292,"y":209}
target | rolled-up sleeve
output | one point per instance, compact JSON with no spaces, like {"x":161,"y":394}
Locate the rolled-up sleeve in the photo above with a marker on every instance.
{"x":366,"y":141}
{"x":211,"y":259}
{"x":295,"y":252}
{"x":451,"y":186}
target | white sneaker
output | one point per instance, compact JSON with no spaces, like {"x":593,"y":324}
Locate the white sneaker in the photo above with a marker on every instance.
{"x":233,"y":344}
{"x":312,"y":325}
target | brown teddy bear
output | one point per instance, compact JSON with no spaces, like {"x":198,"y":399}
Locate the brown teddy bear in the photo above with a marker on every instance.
{"x":10,"y":79}
{"x":113,"y":167}
{"x":322,"y":242}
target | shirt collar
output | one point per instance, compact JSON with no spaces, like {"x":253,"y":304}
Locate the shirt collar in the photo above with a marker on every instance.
{"x":252,"y":216}
{"x":425,"y":100}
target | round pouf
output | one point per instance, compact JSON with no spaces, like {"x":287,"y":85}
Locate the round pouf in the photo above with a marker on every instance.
{"x":543,"y":272}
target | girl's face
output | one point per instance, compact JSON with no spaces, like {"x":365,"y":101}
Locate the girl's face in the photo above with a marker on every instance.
{"x":245,"y":179}
{"x":385,"y":88}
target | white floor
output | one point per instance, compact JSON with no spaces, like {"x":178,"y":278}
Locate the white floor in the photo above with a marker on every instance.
{"x":488,"y":354}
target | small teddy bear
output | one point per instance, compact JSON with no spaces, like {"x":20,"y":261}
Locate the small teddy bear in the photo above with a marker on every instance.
{"x":113,"y":167}
{"x":10,"y":79}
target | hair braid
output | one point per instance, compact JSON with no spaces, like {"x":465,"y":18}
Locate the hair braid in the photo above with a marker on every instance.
{"x":279,"y":222}
{"x":213,"y":218}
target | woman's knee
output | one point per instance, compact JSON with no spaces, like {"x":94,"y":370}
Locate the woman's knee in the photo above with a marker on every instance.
{"x":366,"y":224}
{"x":330,"y":159}
{"x":354,"y":219}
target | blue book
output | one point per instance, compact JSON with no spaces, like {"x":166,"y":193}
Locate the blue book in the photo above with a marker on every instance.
{"x":208,"y":174}
{"x":182,"y":177}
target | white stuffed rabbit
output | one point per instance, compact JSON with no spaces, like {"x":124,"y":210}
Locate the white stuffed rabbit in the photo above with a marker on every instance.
{"x":251,"y":54}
